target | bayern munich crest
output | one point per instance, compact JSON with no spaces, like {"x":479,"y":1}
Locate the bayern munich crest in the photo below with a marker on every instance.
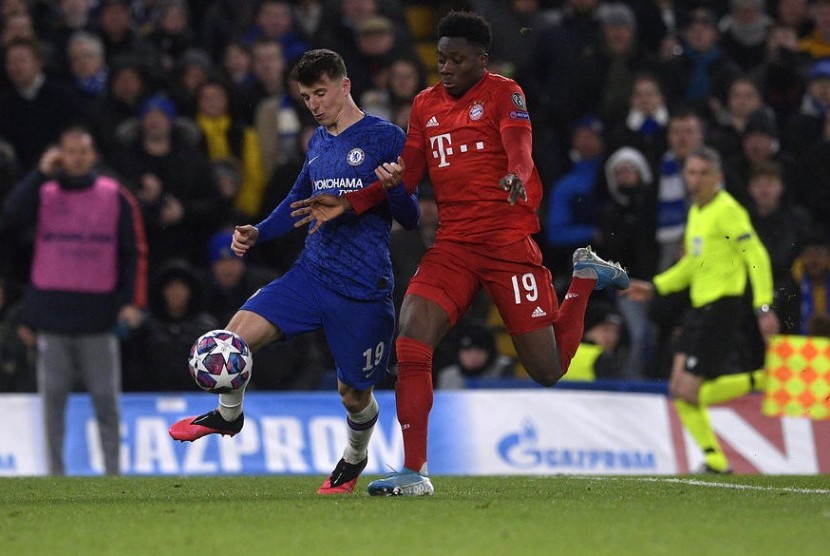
{"x":355,"y":156}
{"x":476,"y":111}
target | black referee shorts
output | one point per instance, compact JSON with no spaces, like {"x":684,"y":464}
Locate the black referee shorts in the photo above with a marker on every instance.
{"x":710,"y":336}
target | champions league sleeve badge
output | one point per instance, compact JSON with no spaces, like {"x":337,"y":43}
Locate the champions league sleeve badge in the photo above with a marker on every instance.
{"x":519,"y":101}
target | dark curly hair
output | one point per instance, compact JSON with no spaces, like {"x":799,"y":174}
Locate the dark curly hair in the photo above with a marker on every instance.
{"x":468,"y":25}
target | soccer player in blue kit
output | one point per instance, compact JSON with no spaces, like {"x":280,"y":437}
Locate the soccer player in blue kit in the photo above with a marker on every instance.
{"x":342,"y":281}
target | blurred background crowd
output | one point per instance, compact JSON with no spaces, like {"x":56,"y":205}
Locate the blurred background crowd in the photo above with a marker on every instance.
{"x":191,"y":108}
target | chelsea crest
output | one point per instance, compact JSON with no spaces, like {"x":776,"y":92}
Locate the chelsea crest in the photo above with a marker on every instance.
{"x":355,"y":156}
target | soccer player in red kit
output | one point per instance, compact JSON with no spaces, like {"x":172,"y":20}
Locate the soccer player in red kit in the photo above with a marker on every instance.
{"x":472,"y":135}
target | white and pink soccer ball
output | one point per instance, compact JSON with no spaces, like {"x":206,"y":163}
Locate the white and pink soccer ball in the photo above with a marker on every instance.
{"x":220,"y":362}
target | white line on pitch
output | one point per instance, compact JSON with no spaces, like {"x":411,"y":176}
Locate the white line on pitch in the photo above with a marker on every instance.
{"x":696,"y":482}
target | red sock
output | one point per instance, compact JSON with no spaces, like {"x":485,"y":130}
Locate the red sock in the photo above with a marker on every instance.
{"x":413,"y":397}
{"x":570,"y":319}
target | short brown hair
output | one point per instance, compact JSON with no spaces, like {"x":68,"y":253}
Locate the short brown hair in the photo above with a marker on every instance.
{"x":314,"y":64}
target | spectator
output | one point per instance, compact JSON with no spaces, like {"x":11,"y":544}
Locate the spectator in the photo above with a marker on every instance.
{"x":805,"y":128}
{"x":608,"y":75}
{"x":278,"y":123}
{"x":115,"y":26}
{"x":476,"y":358}
{"x":628,"y":222}
{"x":813,"y":192}
{"x":397,"y":86}
{"x":685,"y":135}
{"x":406,"y":79}
{"x":660,"y":24}
{"x":308,"y":15}
{"x":377,"y":46}
{"x":223,"y":22}
{"x":702,"y":72}
{"x":817,"y":43}
{"x":796,"y":15}
{"x":88,"y":69}
{"x":174,"y":181}
{"x":559,"y":50}
{"x":274,"y":20}
{"x":744,"y":32}
{"x":269,"y":70}
{"x":67,"y":17}
{"x":759,"y":144}
{"x":596,"y":357}
{"x":20,"y":26}
{"x":82,"y":284}
{"x":782,"y":227}
{"x":228,"y":137}
{"x":171,"y":34}
{"x":645,"y":124}
{"x":154,"y":356}
{"x":341,"y":20}
{"x":128,"y":85}
{"x":192,"y":70}
{"x":512,"y":37}
{"x":35,"y":108}
{"x":237,"y":65}
{"x":573,"y":204}
{"x":811,"y":278}
{"x":730,"y":122}
{"x":780,"y":75}
{"x":17,"y":345}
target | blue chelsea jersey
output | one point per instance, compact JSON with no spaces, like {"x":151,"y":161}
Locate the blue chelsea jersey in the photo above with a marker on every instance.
{"x":350,"y":255}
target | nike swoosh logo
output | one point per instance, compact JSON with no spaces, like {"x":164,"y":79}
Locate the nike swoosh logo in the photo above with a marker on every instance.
{"x":313,"y":159}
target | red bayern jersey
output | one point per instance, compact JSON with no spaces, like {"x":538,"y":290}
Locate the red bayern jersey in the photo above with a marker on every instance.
{"x":461,"y":143}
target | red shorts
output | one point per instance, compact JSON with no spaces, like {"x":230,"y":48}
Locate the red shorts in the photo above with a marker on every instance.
{"x":450,"y":274}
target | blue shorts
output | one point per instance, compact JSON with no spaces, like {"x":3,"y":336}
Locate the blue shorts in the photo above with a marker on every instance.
{"x":359,"y":333}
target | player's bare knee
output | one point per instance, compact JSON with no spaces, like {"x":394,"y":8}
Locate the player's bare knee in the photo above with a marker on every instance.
{"x":546,"y":375}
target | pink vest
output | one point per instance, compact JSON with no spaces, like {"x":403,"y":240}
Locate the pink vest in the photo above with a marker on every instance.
{"x":76,"y":248}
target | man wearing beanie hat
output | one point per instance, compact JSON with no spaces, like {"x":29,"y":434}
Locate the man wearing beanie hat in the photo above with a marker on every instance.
{"x":174,"y":180}
{"x":806,"y":127}
{"x":477,"y":358}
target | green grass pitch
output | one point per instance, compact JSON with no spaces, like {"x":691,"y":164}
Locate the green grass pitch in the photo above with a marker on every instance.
{"x":202,"y":516}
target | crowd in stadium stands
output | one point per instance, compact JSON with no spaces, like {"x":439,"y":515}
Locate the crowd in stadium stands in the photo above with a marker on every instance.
{"x":191,"y":109}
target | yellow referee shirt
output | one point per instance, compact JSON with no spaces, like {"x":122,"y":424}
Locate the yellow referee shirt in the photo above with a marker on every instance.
{"x":721,"y":249}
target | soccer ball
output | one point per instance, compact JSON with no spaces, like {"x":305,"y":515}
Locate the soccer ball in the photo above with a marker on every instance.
{"x":220,"y":362}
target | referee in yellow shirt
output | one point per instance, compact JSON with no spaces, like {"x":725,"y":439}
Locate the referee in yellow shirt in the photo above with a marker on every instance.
{"x":721,"y":251}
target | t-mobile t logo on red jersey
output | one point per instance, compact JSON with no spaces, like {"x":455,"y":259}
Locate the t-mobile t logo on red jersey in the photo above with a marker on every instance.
{"x":442,"y":147}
